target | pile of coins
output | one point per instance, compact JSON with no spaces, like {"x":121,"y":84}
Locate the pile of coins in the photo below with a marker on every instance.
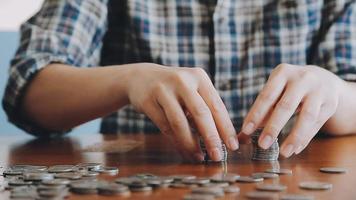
{"x":59,"y":181}
{"x":205,"y":152}
{"x":54,"y":182}
{"x":258,"y":153}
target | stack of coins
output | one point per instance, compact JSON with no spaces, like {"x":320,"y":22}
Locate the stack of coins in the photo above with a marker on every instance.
{"x":258,"y":153}
{"x":205,"y":152}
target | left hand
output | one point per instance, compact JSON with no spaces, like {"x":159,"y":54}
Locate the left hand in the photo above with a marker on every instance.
{"x":311,"y":91}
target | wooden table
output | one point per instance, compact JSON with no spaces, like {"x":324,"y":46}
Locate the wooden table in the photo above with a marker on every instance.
{"x":153,"y":154}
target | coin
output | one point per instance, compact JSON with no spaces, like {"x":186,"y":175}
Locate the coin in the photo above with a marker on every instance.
{"x":216,"y":191}
{"x":231,"y":189}
{"x":335,"y":170}
{"x":248,"y":179}
{"x":271,"y":187}
{"x":112,"y":189}
{"x":198,"y":197}
{"x":197,"y":181}
{"x":89,"y":166}
{"x":280,"y":171}
{"x":107,"y":170}
{"x":296,"y":197}
{"x":264,"y":175}
{"x":68,"y":175}
{"x":179,"y":177}
{"x":61,"y":168}
{"x":229,"y":177}
{"x":315,"y":185}
{"x":56,"y":182}
{"x":84,"y":188}
{"x":261,"y":195}
{"x":141,"y":189}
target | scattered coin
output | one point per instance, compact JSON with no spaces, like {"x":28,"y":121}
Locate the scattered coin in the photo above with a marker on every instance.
{"x":296,"y":197}
{"x":179,"y":177}
{"x":68,"y":175}
{"x":197,"y":181}
{"x":61,"y":168}
{"x":84,"y":188}
{"x":231,"y":189}
{"x":229,"y":178}
{"x":315,"y":185}
{"x":265,"y":175}
{"x":248,"y":179}
{"x":334,"y":170}
{"x":198,"y":197}
{"x":271,"y":187}
{"x":107,"y":170}
{"x":56,"y":182}
{"x":215,"y":191}
{"x":112,"y":189}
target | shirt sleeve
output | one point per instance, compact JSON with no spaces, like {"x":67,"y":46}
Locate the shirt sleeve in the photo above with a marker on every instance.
{"x":62,"y":31}
{"x":336,"y":46}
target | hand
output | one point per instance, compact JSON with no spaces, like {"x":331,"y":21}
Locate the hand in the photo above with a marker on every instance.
{"x":310,"y":91}
{"x":167,"y":94}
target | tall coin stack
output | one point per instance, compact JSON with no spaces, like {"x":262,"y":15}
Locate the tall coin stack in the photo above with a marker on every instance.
{"x":205,"y":152}
{"x":258,"y":153}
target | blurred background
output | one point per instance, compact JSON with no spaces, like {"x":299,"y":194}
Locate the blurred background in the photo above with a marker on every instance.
{"x":11,"y":17}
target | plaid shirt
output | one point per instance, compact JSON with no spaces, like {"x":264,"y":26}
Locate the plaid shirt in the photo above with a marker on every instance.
{"x":237,"y":42}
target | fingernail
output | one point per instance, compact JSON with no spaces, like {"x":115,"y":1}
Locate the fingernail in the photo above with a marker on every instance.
{"x":248,"y":129}
{"x":216,"y":154}
{"x":233,"y":143}
{"x":299,"y":149}
{"x":199,"y":156}
{"x":266,"y":142}
{"x":287,"y":151}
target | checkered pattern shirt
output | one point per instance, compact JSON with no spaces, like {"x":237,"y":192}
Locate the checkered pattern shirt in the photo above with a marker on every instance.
{"x":237,"y":42}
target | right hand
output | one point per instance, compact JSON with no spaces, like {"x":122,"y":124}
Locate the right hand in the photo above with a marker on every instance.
{"x":166,"y":94}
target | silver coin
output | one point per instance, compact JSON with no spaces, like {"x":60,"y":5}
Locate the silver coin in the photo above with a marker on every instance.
{"x":271,"y":187}
{"x":179,"y":177}
{"x":216,"y":191}
{"x":198,"y":197}
{"x":196,"y":181}
{"x":315,"y":185}
{"x":61,"y":168}
{"x":182,"y":185}
{"x":89,"y":166}
{"x":145,"y":175}
{"x":89,"y":173}
{"x":280,"y":171}
{"x":231,"y":189}
{"x":19,"y":182}
{"x":216,"y":184}
{"x":37,"y":176}
{"x":112,"y":189}
{"x":50,"y":187}
{"x":229,"y":177}
{"x":56,"y":182}
{"x":53,"y":193}
{"x":265,"y":175}
{"x":127,"y":180}
{"x":334,"y":170}
{"x":28,"y":167}
{"x":68,"y":175}
{"x":107,"y":170}
{"x":261,"y":195}
{"x":296,"y":197}
{"x":141,"y":189}
{"x":10,"y":172}
{"x":248,"y":179}
{"x":84,"y":188}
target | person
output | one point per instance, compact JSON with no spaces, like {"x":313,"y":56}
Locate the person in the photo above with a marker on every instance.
{"x":225,"y":66}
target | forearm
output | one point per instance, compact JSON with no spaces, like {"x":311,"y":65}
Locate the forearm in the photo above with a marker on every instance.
{"x":61,"y":97}
{"x":344,"y":120}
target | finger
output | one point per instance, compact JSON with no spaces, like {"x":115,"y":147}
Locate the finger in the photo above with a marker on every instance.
{"x":178,"y":123}
{"x":281,"y":113}
{"x":305,"y":128}
{"x":158,"y":117}
{"x":264,"y":101}
{"x":204,"y":121}
{"x":220,"y":115}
